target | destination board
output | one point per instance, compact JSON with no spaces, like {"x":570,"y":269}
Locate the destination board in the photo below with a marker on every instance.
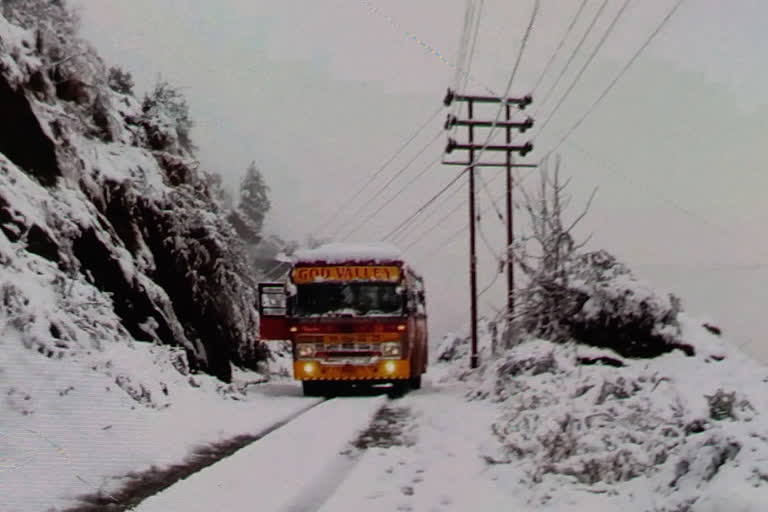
{"x":303,"y":275}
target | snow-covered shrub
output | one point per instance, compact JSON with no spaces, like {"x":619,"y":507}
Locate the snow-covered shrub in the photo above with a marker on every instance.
{"x":564,"y":424}
{"x":167,"y":120}
{"x":120,"y":80}
{"x":612,"y":309}
{"x":590,"y":297}
{"x":600,"y":303}
{"x":452,"y":348}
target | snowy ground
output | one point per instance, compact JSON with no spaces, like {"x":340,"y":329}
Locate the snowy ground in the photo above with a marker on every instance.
{"x":674,"y":433}
{"x":533,"y":429}
{"x":481,"y":442}
{"x":292,"y":468}
{"x":431,"y":462}
{"x":74,"y":428}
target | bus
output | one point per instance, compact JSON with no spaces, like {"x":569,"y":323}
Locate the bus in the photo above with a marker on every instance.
{"x":354,"y":314}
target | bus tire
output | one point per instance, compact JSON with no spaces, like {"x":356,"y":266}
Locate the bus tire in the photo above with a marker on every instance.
{"x":415,"y":382}
{"x":312,"y":388}
{"x":399,"y":388}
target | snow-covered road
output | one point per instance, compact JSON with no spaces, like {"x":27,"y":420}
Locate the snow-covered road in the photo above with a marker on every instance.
{"x":419,"y":452}
{"x":292,"y":468}
{"x":433,"y":465}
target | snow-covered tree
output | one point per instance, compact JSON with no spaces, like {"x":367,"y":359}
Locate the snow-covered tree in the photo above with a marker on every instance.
{"x":167,"y":119}
{"x":254,"y":197}
{"x":219,"y":192}
{"x":120,"y":80}
{"x":544,"y":256}
{"x":590,"y":297}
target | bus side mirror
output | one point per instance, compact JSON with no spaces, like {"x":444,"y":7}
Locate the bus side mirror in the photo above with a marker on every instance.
{"x":273,"y":309}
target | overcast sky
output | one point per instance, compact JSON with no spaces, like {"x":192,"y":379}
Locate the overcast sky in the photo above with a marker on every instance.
{"x":321,"y":93}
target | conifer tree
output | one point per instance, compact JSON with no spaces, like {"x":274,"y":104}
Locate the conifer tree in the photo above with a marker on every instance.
{"x":254,"y":197}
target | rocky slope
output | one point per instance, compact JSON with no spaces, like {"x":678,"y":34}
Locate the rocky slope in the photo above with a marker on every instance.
{"x":107,"y":228}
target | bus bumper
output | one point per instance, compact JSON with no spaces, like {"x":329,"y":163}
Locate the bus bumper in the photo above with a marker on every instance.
{"x":384,"y":370}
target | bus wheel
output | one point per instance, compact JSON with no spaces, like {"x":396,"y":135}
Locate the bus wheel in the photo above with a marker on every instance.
{"x":312,"y":388}
{"x":415,"y":382}
{"x":398,"y":389}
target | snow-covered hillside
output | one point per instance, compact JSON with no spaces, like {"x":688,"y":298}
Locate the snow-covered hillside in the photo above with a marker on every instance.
{"x":125,"y":294}
{"x":108,"y":230}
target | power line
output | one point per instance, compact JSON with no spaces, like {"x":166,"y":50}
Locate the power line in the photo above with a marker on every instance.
{"x":462,"y":51}
{"x":474,"y":31}
{"x":618,"y":77}
{"x":567,"y":33}
{"x":375,"y":174}
{"x":524,"y":42}
{"x":615,"y":169}
{"x":574,"y":52}
{"x":426,"y":205}
{"x":512,"y":75}
{"x":470,"y":17}
{"x":586,"y":63}
{"x":499,"y":215}
{"x":423,"y":234}
{"x":602,"y":96}
{"x":589,"y":111}
{"x":396,"y":195}
{"x":503,"y":104}
{"x":388,"y":183}
{"x":404,"y":233}
{"x":466,"y":226}
{"x":473,"y":46}
{"x":444,"y":219}
{"x":485,"y":240}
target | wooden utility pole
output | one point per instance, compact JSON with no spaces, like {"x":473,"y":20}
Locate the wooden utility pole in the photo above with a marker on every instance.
{"x":471,"y":164}
{"x":510,"y":230}
{"x":472,"y":253}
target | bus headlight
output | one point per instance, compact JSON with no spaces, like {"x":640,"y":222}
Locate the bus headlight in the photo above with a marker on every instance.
{"x":390,"y":349}
{"x":305,"y":350}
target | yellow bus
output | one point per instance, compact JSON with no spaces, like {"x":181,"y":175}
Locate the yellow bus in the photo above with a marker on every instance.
{"x":354,"y":314}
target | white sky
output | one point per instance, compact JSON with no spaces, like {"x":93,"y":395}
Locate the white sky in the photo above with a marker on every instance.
{"x":320,"y":94}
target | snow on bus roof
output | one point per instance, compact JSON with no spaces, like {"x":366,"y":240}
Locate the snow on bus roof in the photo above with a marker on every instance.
{"x":345,"y":252}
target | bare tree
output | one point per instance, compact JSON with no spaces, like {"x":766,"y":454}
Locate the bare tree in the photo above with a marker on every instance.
{"x":544,"y":256}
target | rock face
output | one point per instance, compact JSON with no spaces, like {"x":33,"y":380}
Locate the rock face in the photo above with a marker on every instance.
{"x":86,"y":192}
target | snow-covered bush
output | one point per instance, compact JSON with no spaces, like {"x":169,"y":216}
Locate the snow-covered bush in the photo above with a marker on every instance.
{"x":452,"y":348}
{"x":613,"y":309}
{"x":120,"y":81}
{"x":167,"y":120}
{"x":590,"y":297}
{"x":686,"y":427}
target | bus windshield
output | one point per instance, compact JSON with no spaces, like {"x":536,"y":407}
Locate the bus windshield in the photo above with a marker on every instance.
{"x":359,"y":299}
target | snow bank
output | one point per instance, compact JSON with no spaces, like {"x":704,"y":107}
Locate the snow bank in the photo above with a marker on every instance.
{"x":579,"y":426}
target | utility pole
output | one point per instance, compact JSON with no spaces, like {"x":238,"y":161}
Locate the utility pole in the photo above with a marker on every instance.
{"x":510,"y":229}
{"x":471,"y":164}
